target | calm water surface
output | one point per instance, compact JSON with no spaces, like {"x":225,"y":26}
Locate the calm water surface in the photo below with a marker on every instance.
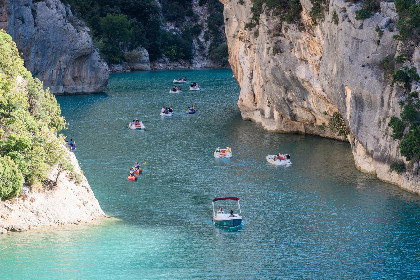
{"x":319,"y":218}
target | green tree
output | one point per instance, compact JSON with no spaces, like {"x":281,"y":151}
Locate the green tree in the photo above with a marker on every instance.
{"x":116,"y":36}
{"x":29,"y":121}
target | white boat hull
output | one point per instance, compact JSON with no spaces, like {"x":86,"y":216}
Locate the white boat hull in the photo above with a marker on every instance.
{"x":270,"y":159}
{"x":195,"y":88}
{"x":225,"y":220}
{"x":166,"y":115}
{"x":179,"y":82}
{"x":222,"y":155}
{"x":175,"y":91}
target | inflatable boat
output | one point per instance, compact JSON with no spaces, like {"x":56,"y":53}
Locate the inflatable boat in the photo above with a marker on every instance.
{"x":132,"y":178}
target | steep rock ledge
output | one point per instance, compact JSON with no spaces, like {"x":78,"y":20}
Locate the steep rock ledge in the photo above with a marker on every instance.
{"x":293,"y":77}
{"x":68,"y":200}
{"x":55,"y":45}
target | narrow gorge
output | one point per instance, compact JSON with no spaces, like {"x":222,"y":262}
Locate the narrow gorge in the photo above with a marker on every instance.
{"x":324,"y":76}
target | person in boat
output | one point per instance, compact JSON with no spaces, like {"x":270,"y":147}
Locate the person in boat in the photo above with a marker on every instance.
{"x":185,"y":79}
{"x":220,"y":210}
{"x":218,"y":150}
{"x":231,"y":214}
{"x":163,"y":109}
{"x":287,"y":156}
{"x":132,"y":171}
{"x":166,"y":110}
{"x":178,"y":88}
{"x":170,"y":109}
{"x":136,"y":165}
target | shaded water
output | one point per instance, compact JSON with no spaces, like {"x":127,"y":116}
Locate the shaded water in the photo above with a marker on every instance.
{"x":319,"y":218}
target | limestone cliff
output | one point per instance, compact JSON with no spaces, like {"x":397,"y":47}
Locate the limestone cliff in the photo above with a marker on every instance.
{"x":294,"y":77}
{"x":68,"y":199}
{"x":56,"y":46}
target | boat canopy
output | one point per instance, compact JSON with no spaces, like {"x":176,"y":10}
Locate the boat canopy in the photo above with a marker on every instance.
{"x":226,"y":198}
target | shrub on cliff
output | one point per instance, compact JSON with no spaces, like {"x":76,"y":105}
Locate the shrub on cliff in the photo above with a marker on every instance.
{"x":11,"y":180}
{"x":409,"y":22}
{"x":397,"y":126}
{"x":369,"y":7}
{"x":288,"y":10}
{"x":410,"y":145}
{"x":29,"y":121}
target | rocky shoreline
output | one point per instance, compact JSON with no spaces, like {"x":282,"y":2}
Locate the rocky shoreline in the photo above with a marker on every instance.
{"x":162,"y":64}
{"x":66,"y":199}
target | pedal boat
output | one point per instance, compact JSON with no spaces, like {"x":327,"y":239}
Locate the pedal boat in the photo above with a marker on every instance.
{"x":134,"y":126}
{"x":223,"y":153}
{"x":276,"y":160}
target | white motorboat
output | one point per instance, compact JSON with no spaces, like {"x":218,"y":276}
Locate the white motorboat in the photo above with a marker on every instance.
{"x":223,"y":153}
{"x":279,"y":159}
{"x":229,"y":220}
{"x":136,"y":125}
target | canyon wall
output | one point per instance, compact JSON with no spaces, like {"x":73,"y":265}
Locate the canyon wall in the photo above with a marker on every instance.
{"x":55,"y":45}
{"x":294,"y":77}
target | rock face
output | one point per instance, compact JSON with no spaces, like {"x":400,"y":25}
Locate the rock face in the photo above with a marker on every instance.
{"x":69,"y":200}
{"x":293,"y":78}
{"x":55,"y":45}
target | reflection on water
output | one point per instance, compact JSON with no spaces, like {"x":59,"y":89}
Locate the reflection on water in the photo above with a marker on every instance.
{"x":319,"y":218}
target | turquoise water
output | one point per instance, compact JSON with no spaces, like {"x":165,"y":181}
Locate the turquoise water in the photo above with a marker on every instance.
{"x":319,"y":218}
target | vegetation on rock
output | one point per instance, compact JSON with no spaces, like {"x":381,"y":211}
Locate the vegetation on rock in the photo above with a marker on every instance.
{"x":369,"y":7}
{"x":338,"y":125}
{"x":406,"y":129}
{"x":317,"y":11}
{"x":398,"y":167}
{"x":409,"y":22}
{"x":121,"y":26}
{"x":288,"y":11}
{"x":29,"y":122}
